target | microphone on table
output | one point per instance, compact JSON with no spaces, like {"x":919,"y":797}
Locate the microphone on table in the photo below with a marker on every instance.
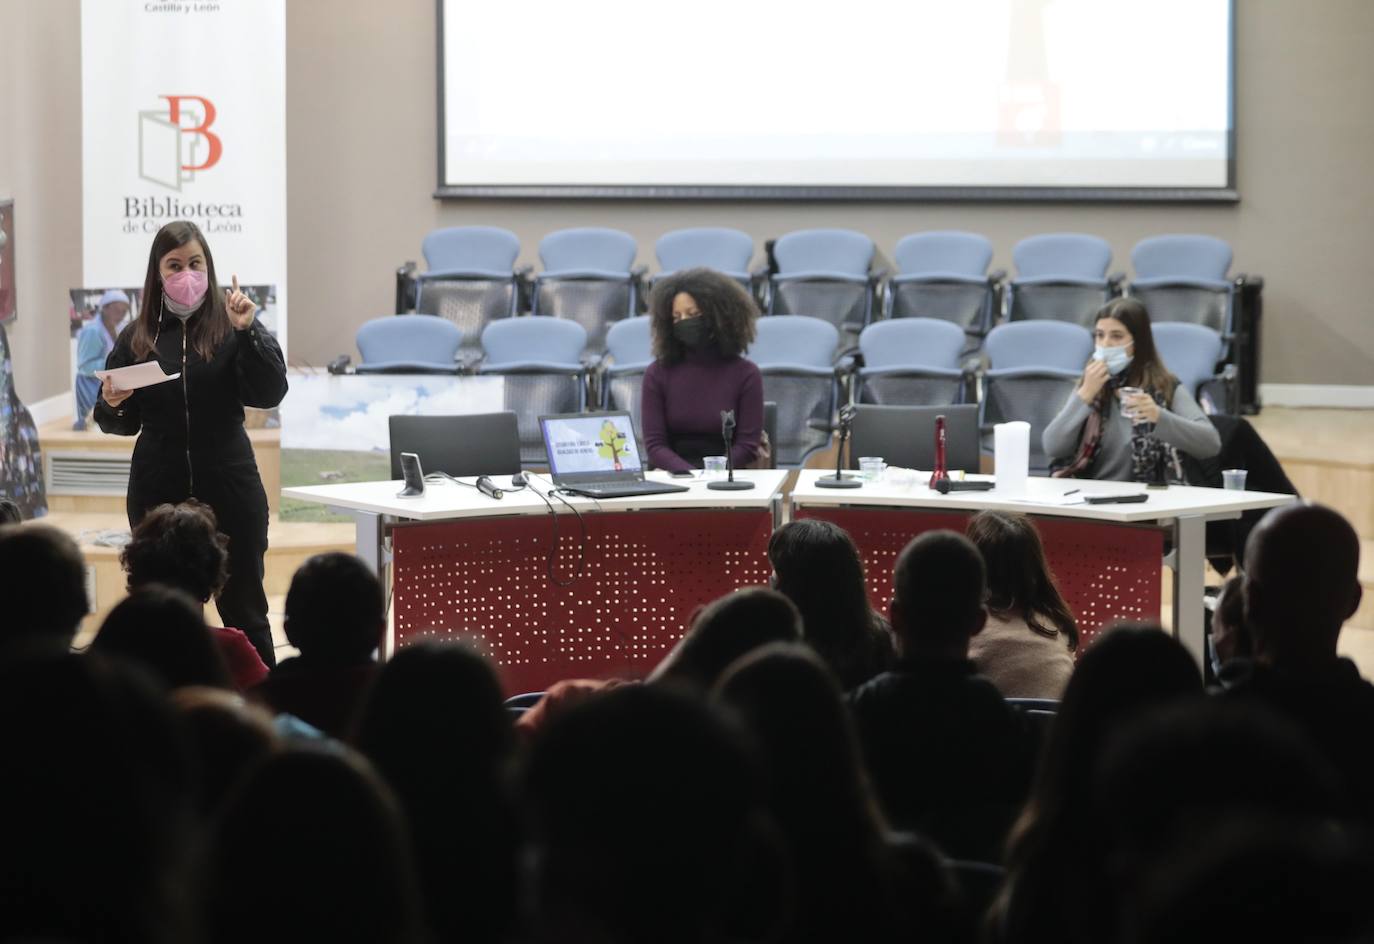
{"x":839,"y":480}
{"x":488,"y":488}
{"x":727,"y":432}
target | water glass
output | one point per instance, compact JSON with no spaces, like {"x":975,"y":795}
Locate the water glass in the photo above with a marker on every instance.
{"x":871,"y":468}
{"x":713,"y":467}
{"x":1233,"y":479}
{"x":1125,"y":393}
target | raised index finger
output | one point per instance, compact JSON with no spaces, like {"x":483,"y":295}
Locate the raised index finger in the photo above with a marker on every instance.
{"x":236,"y":283}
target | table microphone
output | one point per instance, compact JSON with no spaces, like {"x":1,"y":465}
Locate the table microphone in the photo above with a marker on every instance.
{"x":488,"y":488}
{"x":839,"y":480}
{"x":727,"y":432}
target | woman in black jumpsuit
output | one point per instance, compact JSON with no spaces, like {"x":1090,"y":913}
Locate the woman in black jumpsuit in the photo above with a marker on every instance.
{"x":193,"y":443}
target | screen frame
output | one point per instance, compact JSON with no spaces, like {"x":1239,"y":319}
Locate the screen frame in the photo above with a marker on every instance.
{"x":1228,"y":194}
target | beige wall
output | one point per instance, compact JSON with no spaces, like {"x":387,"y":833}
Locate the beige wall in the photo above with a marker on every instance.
{"x":40,"y":167}
{"x":361,"y":145}
{"x":361,"y":133}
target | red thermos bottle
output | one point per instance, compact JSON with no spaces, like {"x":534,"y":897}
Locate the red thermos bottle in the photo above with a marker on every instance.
{"x":940,"y":471}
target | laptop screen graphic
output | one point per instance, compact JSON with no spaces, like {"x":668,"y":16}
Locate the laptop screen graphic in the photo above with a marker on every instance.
{"x":603,"y":444}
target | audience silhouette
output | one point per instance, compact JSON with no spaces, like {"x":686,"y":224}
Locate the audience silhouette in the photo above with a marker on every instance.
{"x":43,"y":584}
{"x":163,"y":630}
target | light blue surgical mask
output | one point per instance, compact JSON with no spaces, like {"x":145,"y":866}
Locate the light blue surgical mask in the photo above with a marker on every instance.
{"x":1116,"y":358}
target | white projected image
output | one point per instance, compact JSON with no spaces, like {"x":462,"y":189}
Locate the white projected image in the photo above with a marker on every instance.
{"x":879,"y":93}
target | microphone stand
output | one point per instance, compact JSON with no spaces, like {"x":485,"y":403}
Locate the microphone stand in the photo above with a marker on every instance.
{"x":839,"y":480}
{"x":727,"y":432}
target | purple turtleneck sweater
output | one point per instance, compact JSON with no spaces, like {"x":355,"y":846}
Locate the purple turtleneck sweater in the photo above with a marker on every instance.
{"x":683,"y":401}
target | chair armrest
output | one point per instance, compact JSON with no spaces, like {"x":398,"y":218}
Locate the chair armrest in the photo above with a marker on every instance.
{"x":1250,"y":281}
{"x":532,"y":367}
{"x":406,"y":294}
{"x":340,"y":365}
{"x":1115,"y":281}
{"x":997,"y":276}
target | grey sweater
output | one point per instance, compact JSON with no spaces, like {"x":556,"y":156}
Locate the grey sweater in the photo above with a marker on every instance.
{"x":1183,"y":425}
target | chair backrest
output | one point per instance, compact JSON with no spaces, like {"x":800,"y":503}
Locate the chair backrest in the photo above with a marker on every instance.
{"x":1182,"y":256}
{"x":912,"y":342}
{"x":727,"y":250}
{"x":948,"y":252}
{"x":543,"y":340}
{"x":905,"y":435}
{"x":794,"y":340}
{"x":770,"y":426}
{"x":1071,"y":255}
{"x":1052,"y":344}
{"x":471,"y":248}
{"x":1189,"y":351}
{"x":412,"y":339}
{"x":824,"y":250}
{"x":589,"y":247}
{"x":471,"y":444}
{"x":630,"y":341}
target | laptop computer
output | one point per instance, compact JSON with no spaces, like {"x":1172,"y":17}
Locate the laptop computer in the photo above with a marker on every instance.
{"x":597,"y":455}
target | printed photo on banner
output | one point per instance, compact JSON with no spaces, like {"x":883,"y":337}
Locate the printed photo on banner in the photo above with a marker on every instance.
{"x":8,"y":305}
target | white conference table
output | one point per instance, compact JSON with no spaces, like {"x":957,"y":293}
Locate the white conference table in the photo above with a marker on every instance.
{"x":547,"y":593}
{"x":1180,"y":511}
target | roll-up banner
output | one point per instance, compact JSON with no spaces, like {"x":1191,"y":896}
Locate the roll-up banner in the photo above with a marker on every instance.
{"x":184,"y":117}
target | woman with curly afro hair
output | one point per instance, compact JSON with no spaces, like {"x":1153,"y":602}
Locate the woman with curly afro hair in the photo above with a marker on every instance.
{"x":702,"y":322}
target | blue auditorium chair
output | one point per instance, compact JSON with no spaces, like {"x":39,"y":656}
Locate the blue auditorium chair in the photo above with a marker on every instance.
{"x":470,"y":279}
{"x":824,"y":273}
{"x":1060,"y":277}
{"x":409,"y":344}
{"x":629,"y":353}
{"x":1033,"y":367}
{"x":795,"y":355}
{"x":540,"y":360}
{"x":944,"y":275}
{"x":910,"y":362}
{"x":728,"y":251}
{"x":589,"y":277}
{"x":1193,"y":354}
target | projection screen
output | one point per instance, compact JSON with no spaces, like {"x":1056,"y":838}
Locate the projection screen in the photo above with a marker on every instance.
{"x":860,"y":99}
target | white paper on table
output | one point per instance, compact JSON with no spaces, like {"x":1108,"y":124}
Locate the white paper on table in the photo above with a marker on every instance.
{"x":135,"y":376}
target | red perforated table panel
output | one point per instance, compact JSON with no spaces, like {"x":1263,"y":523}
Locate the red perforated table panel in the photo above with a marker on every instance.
{"x":1106,"y":572}
{"x":486,"y":581}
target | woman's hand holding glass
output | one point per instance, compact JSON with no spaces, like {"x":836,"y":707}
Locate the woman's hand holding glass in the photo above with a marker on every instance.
{"x":1139,"y":406}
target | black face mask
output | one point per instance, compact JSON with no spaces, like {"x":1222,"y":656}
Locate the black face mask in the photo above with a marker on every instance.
{"x":690,"y":332}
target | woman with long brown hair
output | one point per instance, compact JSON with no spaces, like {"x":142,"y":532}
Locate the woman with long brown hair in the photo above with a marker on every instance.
{"x":1128,"y":418}
{"x":1026,"y":647}
{"x":191,"y":440}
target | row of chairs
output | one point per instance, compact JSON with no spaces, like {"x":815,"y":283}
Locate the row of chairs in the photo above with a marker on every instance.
{"x":588,"y":275}
{"x":1030,"y":368}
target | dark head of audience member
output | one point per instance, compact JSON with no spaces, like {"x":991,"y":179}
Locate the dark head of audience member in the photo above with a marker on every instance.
{"x":648,"y":824}
{"x":181,"y":546}
{"x":938,"y":590}
{"x":1301,"y":584}
{"x":723,"y":631}
{"x":335,"y":616}
{"x":311,"y":847}
{"x":817,"y":566}
{"x":949,"y":758}
{"x":852,"y":884}
{"x":43,"y":584}
{"x":227,"y":738}
{"x":1231,"y":642}
{"x":1129,"y":670}
{"x":1020,"y":585}
{"x":163,"y":630}
{"x":728,"y":313}
{"x":178,"y":546}
{"x":1171,"y":774}
{"x":1256,"y":881}
{"x":436,"y":727}
{"x":10,"y":512}
{"x":96,"y":786}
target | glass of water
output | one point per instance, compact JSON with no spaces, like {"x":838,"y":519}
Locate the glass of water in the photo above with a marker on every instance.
{"x":713,"y":467}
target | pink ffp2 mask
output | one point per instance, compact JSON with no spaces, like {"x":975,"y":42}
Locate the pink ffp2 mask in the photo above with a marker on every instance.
{"x":187,"y":288}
